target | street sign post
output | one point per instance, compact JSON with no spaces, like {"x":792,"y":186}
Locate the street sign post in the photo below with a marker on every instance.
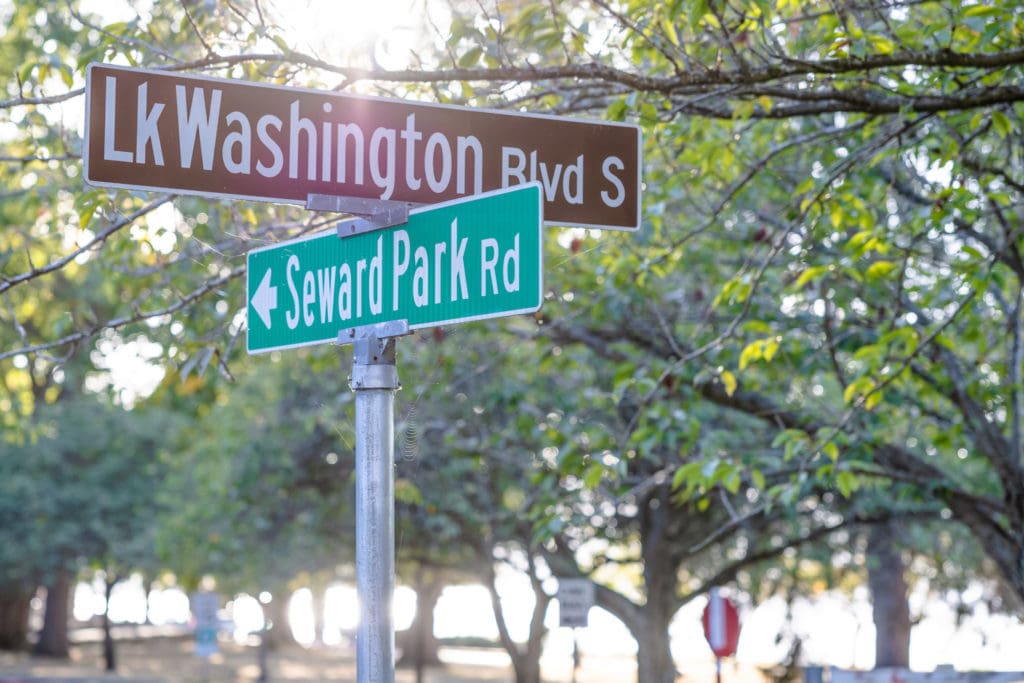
{"x":462,"y":260}
{"x":374,"y":381}
{"x":721,"y":623}
{"x":575,"y":598}
{"x":158,"y":130}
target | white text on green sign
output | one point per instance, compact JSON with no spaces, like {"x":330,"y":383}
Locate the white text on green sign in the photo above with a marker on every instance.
{"x":454,"y":262}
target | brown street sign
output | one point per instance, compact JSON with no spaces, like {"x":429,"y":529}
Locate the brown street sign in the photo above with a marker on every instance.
{"x":157,"y":130}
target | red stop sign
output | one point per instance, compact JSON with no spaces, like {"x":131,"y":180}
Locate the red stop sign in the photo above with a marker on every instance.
{"x":721,"y":624}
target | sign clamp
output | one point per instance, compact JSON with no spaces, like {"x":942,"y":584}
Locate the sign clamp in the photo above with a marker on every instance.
{"x":374,"y":335}
{"x":374,"y":214}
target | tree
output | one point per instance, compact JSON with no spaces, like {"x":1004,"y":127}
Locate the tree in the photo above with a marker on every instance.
{"x":263,"y":491}
{"x":529,"y":437}
{"x":464,"y":531}
{"x":84,"y":484}
{"x":891,"y":265}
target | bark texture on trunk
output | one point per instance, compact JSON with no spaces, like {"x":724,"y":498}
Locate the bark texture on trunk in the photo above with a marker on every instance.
{"x":419,"y":645}
{"x":888,"y":587}
{"x":15,"y":602}
{"x":109,"y":654}
{"x":525,"y":659}
{"x":53,"y":638}
{"x":654,"y":657}
{"x":648,"y":622}
{"x":275,"y":613}
{"x":319,"y":613}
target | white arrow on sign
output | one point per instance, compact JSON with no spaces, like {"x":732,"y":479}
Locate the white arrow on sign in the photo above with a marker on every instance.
{"x":265,"y":299}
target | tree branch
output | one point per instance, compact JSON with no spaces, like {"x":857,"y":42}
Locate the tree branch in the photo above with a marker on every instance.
{"x":34,"y":272}
{"x":115,"y":323}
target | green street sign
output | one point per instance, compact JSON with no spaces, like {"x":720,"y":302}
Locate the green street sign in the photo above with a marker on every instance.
{"x":468,"y":259}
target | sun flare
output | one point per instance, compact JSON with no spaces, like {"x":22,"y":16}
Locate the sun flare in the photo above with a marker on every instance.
{"x":379,"y":34}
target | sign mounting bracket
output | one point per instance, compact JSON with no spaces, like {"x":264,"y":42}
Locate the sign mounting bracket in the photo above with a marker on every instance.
{"x":374,"y":214}
{"x":375,"y":335}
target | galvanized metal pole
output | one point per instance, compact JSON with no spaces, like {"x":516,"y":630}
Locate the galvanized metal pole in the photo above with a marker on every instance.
{"x":374,"y":381}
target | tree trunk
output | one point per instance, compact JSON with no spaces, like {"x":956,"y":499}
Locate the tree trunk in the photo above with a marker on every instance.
{"x":419,"y":646}
{"x":654,"y":656}
{"x":889,"y":597}
{"x":525,"y":661}
{"x":147,"y":587}
{"x":319,"y":594}
{"x":527,"y":669}
{"x":275,"y":613}
{"x":15,"y":603}
{"x":53,"y":638}
{"x":535,"y":639}
{"x":109,"y":657}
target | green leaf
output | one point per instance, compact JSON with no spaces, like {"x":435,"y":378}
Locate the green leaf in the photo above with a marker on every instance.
{"x":858,"y":239}
{"x":805,"y":186}
{"x":1001,"y":122}
{"x":592,"y":477}
{"x":880,"y":269}
{"x":758,"y":326}
{"x":982,"y":10}
{"x":882,"y":45}
{"x":743,"y":110}
{"x":835,"y":215}
{"x":971,"y":251}
{"x":26,"y":70}
{"x":86,"y":212}
{"x":787,"y":436}
{"x":859,"y":387}
{"x":617,"y":110}
{"x":831,"y":450}
{"x":709,"y":468}
{"x":648,"y":113}
{"x":810,"y":274}
{"x":685,"y":473}
{"x":846,"y":482}
{"x":407,"y":492}
{"x":471,"y":58}
{"x":281,"y":43}
{"x":751,"y":352}
{"x":678,"y":478}
{"x":729,"y":382}
{"x":873,"y":400}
